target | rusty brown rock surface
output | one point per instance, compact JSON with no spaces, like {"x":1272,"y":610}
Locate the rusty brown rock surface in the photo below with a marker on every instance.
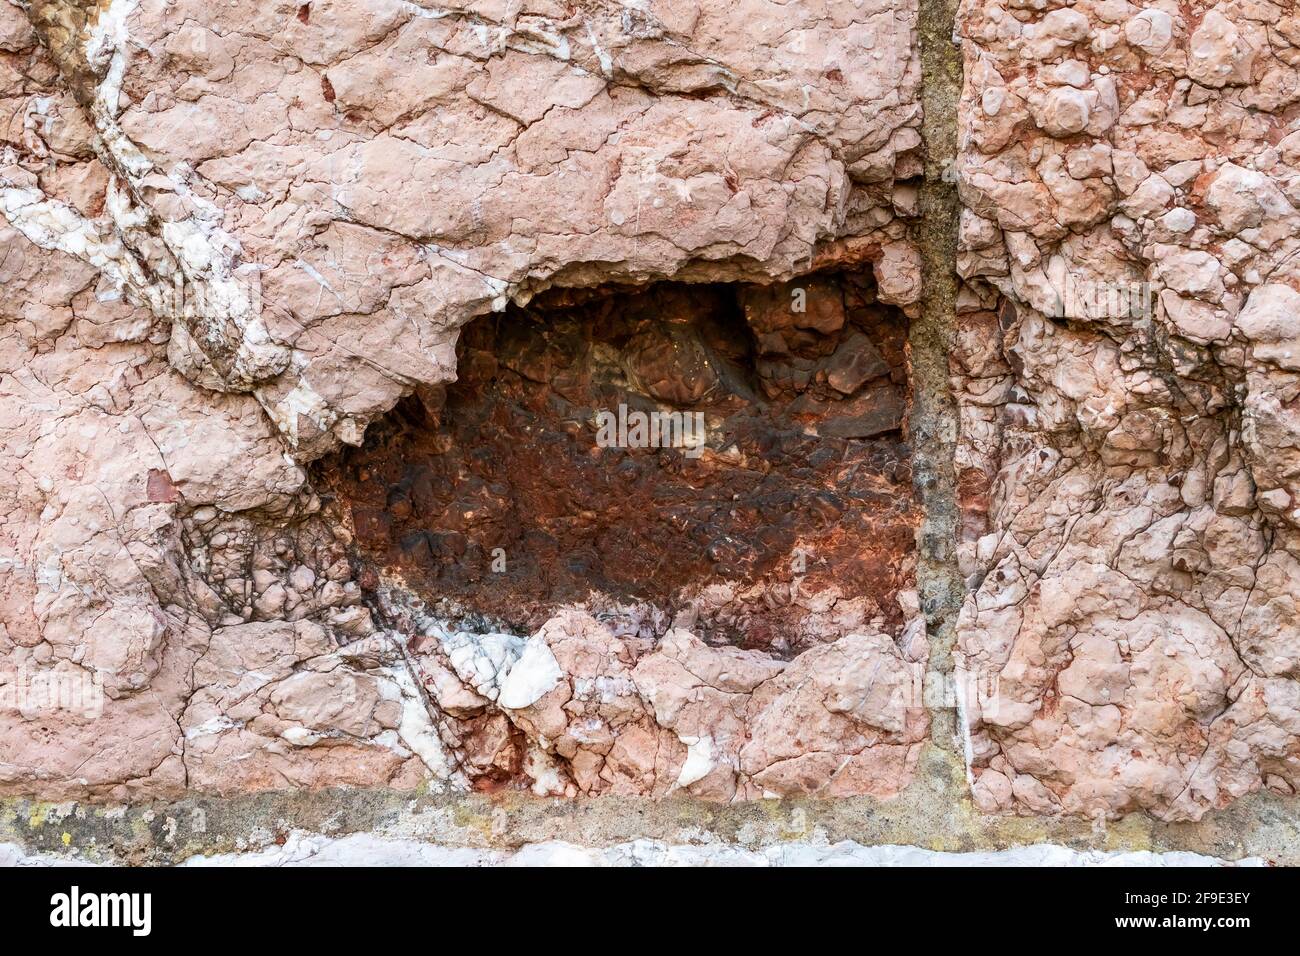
{"x":797,"y":500}
{"x":717,"y":571}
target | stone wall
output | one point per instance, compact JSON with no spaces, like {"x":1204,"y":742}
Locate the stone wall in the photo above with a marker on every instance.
{"x":990,"y":535}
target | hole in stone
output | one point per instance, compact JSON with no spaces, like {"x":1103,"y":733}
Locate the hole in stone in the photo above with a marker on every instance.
{"x":539,"y":478}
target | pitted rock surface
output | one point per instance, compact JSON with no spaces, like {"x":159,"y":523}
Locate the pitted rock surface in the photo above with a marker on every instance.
{"x":1131,"y":178}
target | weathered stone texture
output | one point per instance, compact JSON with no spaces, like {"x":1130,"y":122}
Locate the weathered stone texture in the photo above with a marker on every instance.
{"x":237,"y":235}
{"x":1129,"y":477}
{"x":234,"y":237}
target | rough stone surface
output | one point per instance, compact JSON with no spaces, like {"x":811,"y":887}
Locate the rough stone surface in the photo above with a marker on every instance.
{"x":238,"y":236}
{"x":1128,"y":470}
{"x":605,"y":712}
{"x":310,"y":307}
{"x":776,"y":511}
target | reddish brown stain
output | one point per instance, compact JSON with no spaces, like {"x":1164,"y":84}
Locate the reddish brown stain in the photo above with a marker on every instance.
{"x":159,"y":487}
{"x":507,"y":457}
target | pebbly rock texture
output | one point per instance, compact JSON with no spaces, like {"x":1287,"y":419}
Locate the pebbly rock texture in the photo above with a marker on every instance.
{"x":1129,"y":480}
{"x":238,"y":235}
{"x":584,"y":706}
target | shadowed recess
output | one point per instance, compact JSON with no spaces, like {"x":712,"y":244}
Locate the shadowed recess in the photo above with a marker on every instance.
{"x":773,"y":509}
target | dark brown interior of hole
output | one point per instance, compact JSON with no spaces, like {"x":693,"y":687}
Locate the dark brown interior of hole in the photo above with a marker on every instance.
{"x":803,"y":488}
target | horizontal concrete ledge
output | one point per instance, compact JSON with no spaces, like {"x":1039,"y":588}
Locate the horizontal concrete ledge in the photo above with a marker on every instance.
{"x":1262,"y":826}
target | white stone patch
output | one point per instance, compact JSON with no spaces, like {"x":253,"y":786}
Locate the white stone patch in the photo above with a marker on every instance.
{"x":483,"y":660}
{"x":302,"y":399}
{"x":699,"y":760}
{"x":424,"y":12}
{"x":541,"y":37}
{"x":606,"y":62}
{"x":13,"y":855}
{"x":416,"y":726}
{"x":370,"y":849}
{"x":211,"y":727}
{"x":217,"y":291}
{"x":358,"y":849}
{"x":107,"y":41}
{"x":58,"y":227}
{"x":533,"y":674}
{"x":300,"y":736}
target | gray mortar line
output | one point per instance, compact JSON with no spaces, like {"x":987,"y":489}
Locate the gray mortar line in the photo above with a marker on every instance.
{"x":933,"y":421}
